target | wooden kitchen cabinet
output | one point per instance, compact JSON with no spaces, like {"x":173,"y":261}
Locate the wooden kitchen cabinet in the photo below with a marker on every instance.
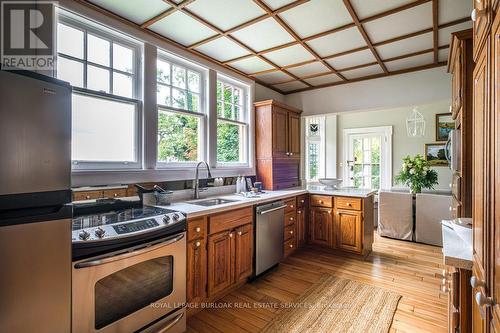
{"x":220,"y":261}
{"x":243,"y":253}
{"x":196,"y":270}
{"x":481,"y":15}
{"x":277,"y":144}
{"x":348,"y":230}
{"x":321,"y":226}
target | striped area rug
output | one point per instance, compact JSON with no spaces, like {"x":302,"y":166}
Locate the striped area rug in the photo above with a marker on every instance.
{"x":337,"y":305}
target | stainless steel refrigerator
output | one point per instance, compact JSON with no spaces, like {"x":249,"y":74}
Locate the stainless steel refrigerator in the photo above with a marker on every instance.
{"x":35,"y":215}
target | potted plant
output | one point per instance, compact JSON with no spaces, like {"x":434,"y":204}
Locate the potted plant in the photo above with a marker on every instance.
{"x":416,"y":173}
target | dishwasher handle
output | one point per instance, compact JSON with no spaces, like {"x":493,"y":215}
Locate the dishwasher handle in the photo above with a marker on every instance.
{"x":272,"y":210}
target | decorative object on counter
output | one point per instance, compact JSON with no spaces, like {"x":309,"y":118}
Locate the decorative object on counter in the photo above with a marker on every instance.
{"x":258,"y":186}
{"x":463,"y":228}
{"x":435,"y":153}
{"x":416,"y":173}
{"x":162,"y":196}
{"x":444,"y":125}
{"x":415,"y":124}
{"x":249,"y":183}
{"x":330,"y":183}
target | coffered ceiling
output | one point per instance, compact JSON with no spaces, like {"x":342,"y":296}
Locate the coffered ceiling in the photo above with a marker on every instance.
{"x":297,"y":45}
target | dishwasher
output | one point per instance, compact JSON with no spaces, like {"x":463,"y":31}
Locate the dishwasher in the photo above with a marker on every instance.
{"x":269,"y":235}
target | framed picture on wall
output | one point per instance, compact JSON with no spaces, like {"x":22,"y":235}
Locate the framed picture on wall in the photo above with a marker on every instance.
{"x":435,"y":154}
{"x":444,"y":124}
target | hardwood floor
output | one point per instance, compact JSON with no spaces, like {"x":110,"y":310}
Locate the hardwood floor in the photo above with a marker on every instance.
{"x":410,"y":269}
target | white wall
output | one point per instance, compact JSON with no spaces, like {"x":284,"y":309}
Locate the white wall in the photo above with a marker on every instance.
{"x":262,"y":93}
{"x":402,"y":145}
{"x":389,"y":92}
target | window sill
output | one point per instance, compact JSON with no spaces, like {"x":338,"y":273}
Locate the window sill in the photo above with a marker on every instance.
{"x":130,"y":176}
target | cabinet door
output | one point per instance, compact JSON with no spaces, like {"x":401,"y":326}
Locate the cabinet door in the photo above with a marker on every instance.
{"x":481,"y":24}
{"x":348,"y":230}
{"x":219,"y":261}
{"x":196,"y":270}
{"x":294,"y":135}
{"x":280,"y":132}
{"x":243,"y":256}
{"x":480,"y":181}
{"x":301,"y":226}
{"x":321,"y":226}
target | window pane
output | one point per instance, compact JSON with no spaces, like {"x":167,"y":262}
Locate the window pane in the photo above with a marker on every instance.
{"x":375,"y":182}
{"x":179,"y":99}
{"x":123,"y":58}
{"x":228,"y":94}
{"x":98,"y":50}
{"x":70,"y":70}
{"x":237,"y":112}
{"x":229,"y":142}
{"x":228,"y":111}
{"x":219,"y":109}
{"x":122,"y":85}
{"x":313,"y":160}
{"x":178,"y":76}
{"x":193,"y":81}
{"x":376,"y":150}
{"x":163,"y":71}
{"x":178,"y":137}
{"x":69,"y":41}
{"x":237,"y":96}
{"x":219,"y":91}
{"x":98,"y":79}
{"x":163,"y":95}
{"x":103,"y":130}
{"x":193,"y":102}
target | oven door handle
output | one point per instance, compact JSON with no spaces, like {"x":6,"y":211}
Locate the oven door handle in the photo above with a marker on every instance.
{"x":143,"y":249}
{"x":171,"y":323}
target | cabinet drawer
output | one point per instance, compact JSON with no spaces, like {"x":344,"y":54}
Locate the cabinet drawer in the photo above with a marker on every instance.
{"x":290,"y":218}
{"x":197,"y":228}
{"x":117,"y":193}
{"x":87,"y":195}
{"x":230,"y":220}
{"x":301,"y":201}
{"x":321,"y":200}
{"x":289,"y":246}
{"x":291,"y":205}
{"x":290,"y":231}
{"x":348,"y":203}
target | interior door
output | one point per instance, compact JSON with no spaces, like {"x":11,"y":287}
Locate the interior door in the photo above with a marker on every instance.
{"x":480,"y":316}
{"x":294,"y":134}
{"x":280,"y":132}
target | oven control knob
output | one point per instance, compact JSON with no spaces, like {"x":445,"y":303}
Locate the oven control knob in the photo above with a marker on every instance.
{"x":99,"y":232}
{"x":176,"y":216}
{"x":166,"y":219}
{"x":84,"y":235}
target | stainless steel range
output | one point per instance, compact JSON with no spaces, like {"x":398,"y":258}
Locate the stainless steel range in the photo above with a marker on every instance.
{"x":129,"y":269}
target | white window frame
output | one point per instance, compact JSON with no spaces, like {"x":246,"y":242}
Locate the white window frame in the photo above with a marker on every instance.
{"x":320,"y":139}
{"x":244,"y":122}
{"x":385,"y":152}
{"x":101,"y":31}
{"x":202,"y":116}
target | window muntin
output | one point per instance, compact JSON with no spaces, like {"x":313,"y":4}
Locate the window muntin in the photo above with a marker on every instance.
{"x":232,"y":124}
{"x":103,"y":68}
{"x":181,"y":113}
{"x":94,"y":61}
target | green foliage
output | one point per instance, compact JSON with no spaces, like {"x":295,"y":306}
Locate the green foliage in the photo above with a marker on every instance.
{"x":228,"y":144}
{"x":177,"y":137}
{"x":417,"y":174}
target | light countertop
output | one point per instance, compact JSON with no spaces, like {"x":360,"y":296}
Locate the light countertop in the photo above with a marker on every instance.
{"x":192,"y":210}
{"x":456,"y":252}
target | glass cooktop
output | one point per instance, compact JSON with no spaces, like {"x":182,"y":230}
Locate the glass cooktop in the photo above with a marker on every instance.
{"x":116,"y":216}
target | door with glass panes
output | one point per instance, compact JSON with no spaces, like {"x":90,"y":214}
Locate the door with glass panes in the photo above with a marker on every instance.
{"x":364,"y":162}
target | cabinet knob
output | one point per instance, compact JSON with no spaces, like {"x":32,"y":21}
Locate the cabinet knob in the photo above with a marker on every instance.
{"x":302,"y":201}
{"x":115,"y":195}
{"x":87,"y":197}
{"x":198,"y":244}
{"x":198,"y":229}
{"x":291,"y":206}
{"x":477,"y":13}
{"x":349,"y":204}
{"x":321,"y":201}
{"x":291,"y":245}
{"x":482,"y":300}
{"x":291,"y":232}
{"x":291,"y":218}
{"x":476,"y":283}
{"x":231,"y":235}
{"x":239,"y":233}
{"x":287,"y":154}
{"x":299,"y":212}
{"x":337,"y":213}
{"x":291,"y":154}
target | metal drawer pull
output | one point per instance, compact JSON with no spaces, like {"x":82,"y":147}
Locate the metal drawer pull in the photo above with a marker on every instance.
{"x":272,"y":210}
{"x":171,"y":323}
{"x":143,"y":249}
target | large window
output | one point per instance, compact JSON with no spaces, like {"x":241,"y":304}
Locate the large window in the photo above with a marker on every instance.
{"x":232,"y":123}
{"x":181,"y":112}
{"x":103,"y":69}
